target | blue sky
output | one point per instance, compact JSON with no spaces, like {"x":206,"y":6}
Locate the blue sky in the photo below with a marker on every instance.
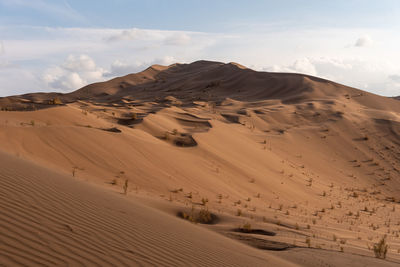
{"x":63,"y":45}
{"x":199,"y":15}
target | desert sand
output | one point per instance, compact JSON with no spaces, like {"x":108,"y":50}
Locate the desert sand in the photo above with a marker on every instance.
{"x":295,"y":170}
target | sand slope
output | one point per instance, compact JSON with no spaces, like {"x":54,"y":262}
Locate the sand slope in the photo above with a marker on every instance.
{"x":49,"y":219}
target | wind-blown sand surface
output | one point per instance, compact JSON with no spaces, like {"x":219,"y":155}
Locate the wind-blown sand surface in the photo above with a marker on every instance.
{"x":309,"y":168}
{"x":50,"y":219}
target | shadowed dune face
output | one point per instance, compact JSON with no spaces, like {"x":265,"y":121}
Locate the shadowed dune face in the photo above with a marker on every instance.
{"x":199,"y":81}
{"x":313,"y":162}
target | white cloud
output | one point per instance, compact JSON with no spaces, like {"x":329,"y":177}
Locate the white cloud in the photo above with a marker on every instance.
{"x":179,"y":38}
{"x":120,"y":68}
{"x":2,"y":48}
{"x":303,"y":65}
{"x":64,"y":59}
{"x":134,"y":34}
{"x":363,"y":41}
{"x":166,"y":60}
{"x":15,"y":81}
{"x":76,"y":72}
{"x":68,"y":81}
{"x":394,"y":77}
{"x":352,"y":72}
{"x":79,"y":63}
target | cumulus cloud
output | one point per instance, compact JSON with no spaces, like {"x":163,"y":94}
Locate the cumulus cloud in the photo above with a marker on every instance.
{"x":352,"y":72}
{"x":66,"y":81}
{"x":79,"y":63}
{"x":76,"y":72}
{"x":79,"y":70}
{"x":120,"y":68}
{"x":363,"y":41}
{"x":64,"y":59}
{"x":166,"y":60}
{"x":303,"y":65}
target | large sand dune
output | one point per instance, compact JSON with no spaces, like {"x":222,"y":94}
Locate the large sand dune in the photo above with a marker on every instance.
{"x":312,"y":162}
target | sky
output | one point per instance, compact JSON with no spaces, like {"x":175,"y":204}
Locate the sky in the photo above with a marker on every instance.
{"x":62,"y":45}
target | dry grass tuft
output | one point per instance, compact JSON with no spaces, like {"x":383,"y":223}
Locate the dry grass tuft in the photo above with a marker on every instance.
{"x":381,"y":248}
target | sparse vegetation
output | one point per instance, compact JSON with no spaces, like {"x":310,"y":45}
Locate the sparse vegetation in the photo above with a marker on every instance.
{"x":308,"y":242}
{"x":55,"y":101}
{"x":381,"y":248}
{"x":204,"y":201}
{"x":125,"y":187}
{"x":239,"y":212}
{"x":74,"y":171}
{"x":204,"y":216}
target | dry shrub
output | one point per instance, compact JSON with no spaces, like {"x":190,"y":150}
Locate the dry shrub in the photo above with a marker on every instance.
{"x":203,"y":216}
{"x":381,"y":248}
{"x":55,"y":101}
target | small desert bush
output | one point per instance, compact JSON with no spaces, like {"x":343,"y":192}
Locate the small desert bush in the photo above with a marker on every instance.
{"x":381,"y":248}
{"x":125,"y":187}
{"x":203,"y":216}
{"x":55,"y":101}
{"x":308,"y":242}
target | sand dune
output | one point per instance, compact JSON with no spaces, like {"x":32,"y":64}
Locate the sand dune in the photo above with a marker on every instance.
{"x":50,"y":219}
{"x":314,"y":162}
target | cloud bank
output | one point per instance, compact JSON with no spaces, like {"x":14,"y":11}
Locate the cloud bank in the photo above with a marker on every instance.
{"x":65,"y":59}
